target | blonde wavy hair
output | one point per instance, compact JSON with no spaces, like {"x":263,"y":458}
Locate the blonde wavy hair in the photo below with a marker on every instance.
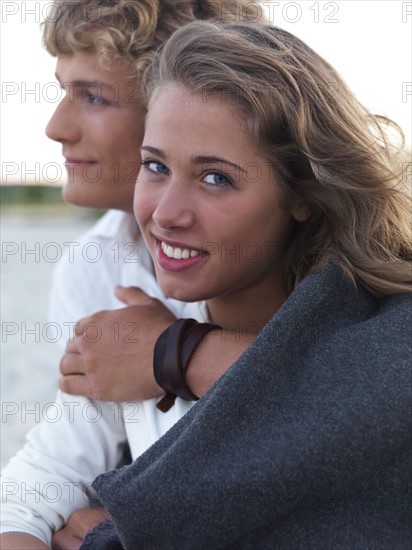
{"x":327,"y":151}
{"x":131,"y":30}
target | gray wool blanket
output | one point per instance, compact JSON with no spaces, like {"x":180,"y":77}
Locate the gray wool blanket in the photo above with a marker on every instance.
{"x":303,"y":444}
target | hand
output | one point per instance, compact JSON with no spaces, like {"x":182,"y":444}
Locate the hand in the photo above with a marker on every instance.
{"x":71,"y":536}
{"x":111,"y":355}
{"x":14,"y":540}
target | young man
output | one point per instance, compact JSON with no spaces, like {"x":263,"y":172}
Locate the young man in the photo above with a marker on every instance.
{"x":99,"y":124}
{"x":100,"y":55}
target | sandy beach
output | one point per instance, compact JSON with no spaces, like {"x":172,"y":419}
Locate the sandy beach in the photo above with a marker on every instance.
{"x":30,"y":349}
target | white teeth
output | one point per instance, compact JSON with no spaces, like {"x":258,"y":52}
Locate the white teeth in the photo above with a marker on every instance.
{"x":178,"y":253}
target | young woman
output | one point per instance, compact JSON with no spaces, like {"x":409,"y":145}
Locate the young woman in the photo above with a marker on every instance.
{"x":304,"y":442}
{"x":102,"y":51}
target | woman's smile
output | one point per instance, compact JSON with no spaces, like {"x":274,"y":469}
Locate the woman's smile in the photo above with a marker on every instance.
{"x":198,"y":201}
{"x":177,"y":258}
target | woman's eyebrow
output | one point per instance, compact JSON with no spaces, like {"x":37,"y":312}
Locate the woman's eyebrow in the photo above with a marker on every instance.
{"x":153,"y":150}
{"x":215,"y":160}
{"x":201,"y":159}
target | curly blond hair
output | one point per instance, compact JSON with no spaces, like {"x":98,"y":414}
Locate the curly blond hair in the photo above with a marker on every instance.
{"x":327,"y":151}
{"x":131,"y":30}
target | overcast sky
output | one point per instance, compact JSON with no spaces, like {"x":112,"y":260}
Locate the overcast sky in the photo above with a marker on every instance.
{"x":369,"y":43}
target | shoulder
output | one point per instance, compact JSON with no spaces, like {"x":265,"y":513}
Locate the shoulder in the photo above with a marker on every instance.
{"x":94,"y":263}
{"x":342,"y":336}
{"x":98,"y":245}
{"x":112,"y":226}
{"x":115,"y":224}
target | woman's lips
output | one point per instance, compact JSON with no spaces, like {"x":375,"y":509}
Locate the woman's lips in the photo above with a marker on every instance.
{"x":177,"y":258}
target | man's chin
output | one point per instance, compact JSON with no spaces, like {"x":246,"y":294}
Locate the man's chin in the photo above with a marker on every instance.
{"x":77,"y":197}
{"x":88,"y":196}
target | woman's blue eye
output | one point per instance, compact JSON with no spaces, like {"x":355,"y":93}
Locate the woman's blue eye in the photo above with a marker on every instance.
{"x":217,"y":179}
{"x":155,"y":167}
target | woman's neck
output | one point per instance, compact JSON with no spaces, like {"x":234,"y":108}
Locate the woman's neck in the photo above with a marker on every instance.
{"x":246,"y":312}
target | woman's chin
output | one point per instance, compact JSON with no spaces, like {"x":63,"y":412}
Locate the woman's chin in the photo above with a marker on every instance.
{"x":181,"y":294}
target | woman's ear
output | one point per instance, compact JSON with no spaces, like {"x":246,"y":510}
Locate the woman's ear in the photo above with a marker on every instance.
{"x":300,"y":213}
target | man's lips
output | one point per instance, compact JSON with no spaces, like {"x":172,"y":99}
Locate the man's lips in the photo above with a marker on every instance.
{"x":74,"y":161}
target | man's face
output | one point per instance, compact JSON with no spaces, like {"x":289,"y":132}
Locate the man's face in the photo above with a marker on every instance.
{"x":99,"y":123}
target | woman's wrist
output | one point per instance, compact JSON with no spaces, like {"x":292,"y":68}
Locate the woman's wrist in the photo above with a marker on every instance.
{"x":212,"y":358}
{"x":172,"y":354}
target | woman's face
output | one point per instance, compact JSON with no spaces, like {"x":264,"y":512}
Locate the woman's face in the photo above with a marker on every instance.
{"x":207,"y":202}
{"x":99,"y":123}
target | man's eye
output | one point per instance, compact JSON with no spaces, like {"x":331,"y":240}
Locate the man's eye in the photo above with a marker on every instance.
{"x":92,"y":97}
{"x":216,"y":179}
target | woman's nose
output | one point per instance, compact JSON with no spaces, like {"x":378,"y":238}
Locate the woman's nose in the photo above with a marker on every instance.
{"x":174,"y":209}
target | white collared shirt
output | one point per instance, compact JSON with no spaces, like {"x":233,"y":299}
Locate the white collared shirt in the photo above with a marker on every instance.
{"x":50,"y":477}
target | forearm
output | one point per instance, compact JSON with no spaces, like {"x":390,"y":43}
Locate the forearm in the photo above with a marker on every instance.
{"x":212,"y":358}
{"x":121,"y":368}
{"x":21,"y":541}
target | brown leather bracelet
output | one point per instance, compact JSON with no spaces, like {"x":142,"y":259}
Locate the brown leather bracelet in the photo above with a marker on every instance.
{"x":172,"y":353}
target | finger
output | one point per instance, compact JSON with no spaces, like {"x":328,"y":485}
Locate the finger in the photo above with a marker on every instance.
{"x":78,"y":384}
{"x":73,"y":346}
{"x":131,"y":295}
{"x":78,"y":329}
{"x":86,"y":520}
{"x":82,"y":326}
{"x":65,"y":540}
{"x":71,"y":363}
